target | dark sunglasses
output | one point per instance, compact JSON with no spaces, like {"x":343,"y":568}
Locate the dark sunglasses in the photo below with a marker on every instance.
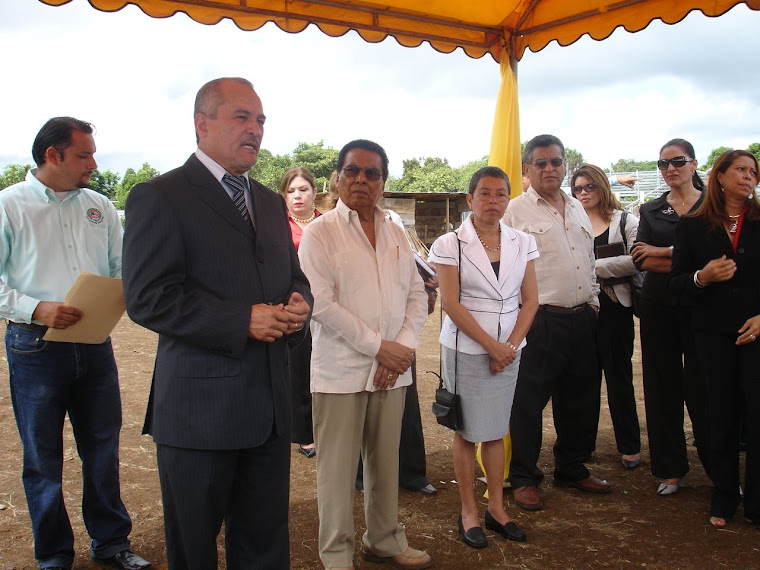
{"x":371,"y":174}
{"x":677,"y":162}
{"x":542,"y":162}
{"x":589,"y":188}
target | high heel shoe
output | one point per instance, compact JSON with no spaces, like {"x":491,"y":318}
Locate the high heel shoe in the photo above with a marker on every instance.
{"x":474,"y":537}
{"x":509,"y":531}
{"x":631,"y":463}
{"x":671,"y":489}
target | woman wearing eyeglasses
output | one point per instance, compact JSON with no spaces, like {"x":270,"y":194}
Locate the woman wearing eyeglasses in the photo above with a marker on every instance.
{"x":299,"y":190}
{"x":717,"y":258}
{"x":669,"y":359}
{"x":482,"y":269}
{"x":590,"y":185}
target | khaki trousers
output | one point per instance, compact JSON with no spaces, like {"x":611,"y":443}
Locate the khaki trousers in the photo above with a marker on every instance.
{"x":344,"y":426}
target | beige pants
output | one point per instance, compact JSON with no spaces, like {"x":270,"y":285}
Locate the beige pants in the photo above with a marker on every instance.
{"x":344,"y":425}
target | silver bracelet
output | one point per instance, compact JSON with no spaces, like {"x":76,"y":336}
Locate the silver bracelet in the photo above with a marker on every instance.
{"x":512,"y":346}
{"x":697,"y":282}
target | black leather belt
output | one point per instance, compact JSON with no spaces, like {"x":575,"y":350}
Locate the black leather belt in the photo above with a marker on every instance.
{"x":29,"y":327}
{"x":562,"y":310}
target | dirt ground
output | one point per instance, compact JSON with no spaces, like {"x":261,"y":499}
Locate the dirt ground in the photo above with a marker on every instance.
{"x":632,"y":528}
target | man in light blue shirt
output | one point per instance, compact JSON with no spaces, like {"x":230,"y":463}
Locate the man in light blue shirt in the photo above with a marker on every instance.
{"x":52,"y":228}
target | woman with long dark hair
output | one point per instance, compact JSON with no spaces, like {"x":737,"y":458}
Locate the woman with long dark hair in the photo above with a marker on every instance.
{"x":615,"y":334}
{"x":717,"y":259}
{"x":669,"y":359}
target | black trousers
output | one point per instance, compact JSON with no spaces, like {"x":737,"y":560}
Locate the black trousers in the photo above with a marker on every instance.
{"x":614,"y":343}
{"x":412,"y":469}
{"x":733,"y":389}
{"x":247,"y":489}
{"x":560,"y":363}
{"x":300,"y":377}
{"x":672,"y":376}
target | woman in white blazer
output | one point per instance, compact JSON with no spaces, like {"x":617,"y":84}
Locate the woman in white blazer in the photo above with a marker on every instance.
{"x":490,"y":296}
{"x":614,"y":266}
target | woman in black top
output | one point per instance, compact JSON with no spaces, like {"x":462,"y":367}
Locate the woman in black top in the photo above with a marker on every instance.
{"x":717,"y":258}
{"x":669,"y":361}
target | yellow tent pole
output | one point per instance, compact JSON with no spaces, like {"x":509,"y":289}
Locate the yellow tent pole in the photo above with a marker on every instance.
{"x":505,"y":136}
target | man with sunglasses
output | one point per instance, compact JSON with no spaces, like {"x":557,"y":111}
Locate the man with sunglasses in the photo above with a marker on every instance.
{"x":369,"y":308}
{"x":559,"y":362}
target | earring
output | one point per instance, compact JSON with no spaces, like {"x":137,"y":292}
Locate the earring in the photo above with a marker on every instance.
{"x":721,"y":189}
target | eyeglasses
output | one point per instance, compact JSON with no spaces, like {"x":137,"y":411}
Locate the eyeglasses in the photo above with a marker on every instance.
{"x":542,"y":162}
{"x":371,"y":174}
{"x":677,"y":162}
{"x":589,"y":188}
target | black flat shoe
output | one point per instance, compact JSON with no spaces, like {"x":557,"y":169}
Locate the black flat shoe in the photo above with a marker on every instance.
{"x":509,"y":531}
{"x":474,"y":537}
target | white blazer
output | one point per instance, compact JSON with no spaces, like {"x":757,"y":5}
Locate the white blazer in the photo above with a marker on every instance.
{"x":492,"y":301}
{"x":620,"y":265}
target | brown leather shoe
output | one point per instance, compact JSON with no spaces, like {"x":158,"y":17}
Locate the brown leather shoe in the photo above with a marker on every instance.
{"x":527,"y":498}
{"x":410,"y":558}
{"x":589,"y":485}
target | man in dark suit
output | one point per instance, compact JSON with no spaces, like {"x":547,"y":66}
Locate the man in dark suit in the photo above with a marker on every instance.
{"x":209,"y":265}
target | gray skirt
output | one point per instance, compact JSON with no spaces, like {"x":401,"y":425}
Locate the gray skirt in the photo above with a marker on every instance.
{"x":486,"y":398}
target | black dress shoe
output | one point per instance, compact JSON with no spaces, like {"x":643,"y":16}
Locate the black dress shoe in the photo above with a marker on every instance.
{"x":124,"y":560}
{"x":474,"y":537}
{"x":307,"y":451}
{"x":509,"y":531}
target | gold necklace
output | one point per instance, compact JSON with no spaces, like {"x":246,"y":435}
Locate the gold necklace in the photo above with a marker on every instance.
{"x":734,"y":223}
{"x":491,"y":249}
{"x":304,"y":220}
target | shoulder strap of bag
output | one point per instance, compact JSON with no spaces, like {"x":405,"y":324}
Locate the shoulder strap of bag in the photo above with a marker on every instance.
{"x":623,"y":219}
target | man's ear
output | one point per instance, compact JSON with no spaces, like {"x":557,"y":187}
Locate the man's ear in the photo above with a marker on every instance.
{"x":201,"y":125}
{"x":53,"y":155}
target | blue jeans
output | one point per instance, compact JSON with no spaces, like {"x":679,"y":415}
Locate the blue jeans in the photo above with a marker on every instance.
{"x":47,"y":380}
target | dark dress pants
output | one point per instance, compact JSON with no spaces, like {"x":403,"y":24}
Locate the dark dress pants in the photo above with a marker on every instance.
{"x":300,"y":376}
{"x":247,"y":489}
{"x":412,"y":474}
{"x":560,"y":363}
{"x":672,"y":376}
{"x":47,"y":381}
{"x":615,"y":350}
{"x":733,"y":388}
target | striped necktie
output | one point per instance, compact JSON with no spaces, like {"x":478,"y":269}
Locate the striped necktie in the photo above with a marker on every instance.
{"x":237,"y":183}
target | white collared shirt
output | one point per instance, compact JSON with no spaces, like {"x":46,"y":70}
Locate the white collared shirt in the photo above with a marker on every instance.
{"x":361,"y":296}
{"x":493,"y":302}
{"x":46,"y":242}
{"x":565,"y":270}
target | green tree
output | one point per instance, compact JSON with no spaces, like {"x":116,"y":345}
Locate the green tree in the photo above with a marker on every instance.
{"x":574,"y":159}
{"x":318,"y":159}
{"x":714,"y":154}
{"x":131,"y":179}
{"x":270,"y":168}
{"x":431,"y":174}
{"x":754,"y":148}
{"x":465,"y":172}
{"x":631,"y":165}
{"x":12,"y":174}
{"x":106,"y":182}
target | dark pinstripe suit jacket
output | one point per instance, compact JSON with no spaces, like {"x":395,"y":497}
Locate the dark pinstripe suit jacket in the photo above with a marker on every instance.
{"x":192,"y":268}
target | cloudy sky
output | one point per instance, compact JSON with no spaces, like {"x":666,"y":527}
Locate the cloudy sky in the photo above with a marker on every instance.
{"x":136,"y":77}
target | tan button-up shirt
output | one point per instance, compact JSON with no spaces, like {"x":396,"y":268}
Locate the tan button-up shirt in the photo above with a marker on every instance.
{"x":361,"y":296}
{"x":565,"y":269}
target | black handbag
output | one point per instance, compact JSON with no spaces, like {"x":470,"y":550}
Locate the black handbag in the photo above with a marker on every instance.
{"x":447,"y":407}
{"x":636,"y":281}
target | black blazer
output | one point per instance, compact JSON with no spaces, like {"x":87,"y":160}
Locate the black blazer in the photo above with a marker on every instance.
{"x":192,"y":268}
{"x":721,"y":308}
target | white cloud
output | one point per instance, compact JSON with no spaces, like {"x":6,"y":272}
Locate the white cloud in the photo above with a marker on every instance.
{"x":135,"y":77}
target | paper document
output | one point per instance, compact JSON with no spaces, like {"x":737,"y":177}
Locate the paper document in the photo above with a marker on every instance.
{"x":101,"y":300}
